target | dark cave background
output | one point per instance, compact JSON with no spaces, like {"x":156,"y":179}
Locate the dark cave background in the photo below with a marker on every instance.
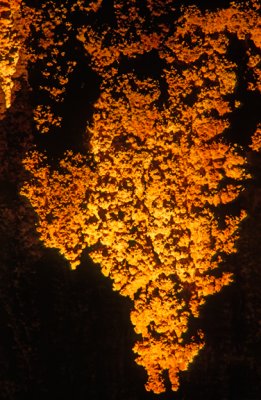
{"x":66,"y":334}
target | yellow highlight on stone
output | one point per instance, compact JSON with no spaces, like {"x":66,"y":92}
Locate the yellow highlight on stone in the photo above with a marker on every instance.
{"x":147,"y":209}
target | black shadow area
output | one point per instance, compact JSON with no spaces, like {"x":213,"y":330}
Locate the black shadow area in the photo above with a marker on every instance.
{"x":76,"y":110}
{"x":85,"y":337}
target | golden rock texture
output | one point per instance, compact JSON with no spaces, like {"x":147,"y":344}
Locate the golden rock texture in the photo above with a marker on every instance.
{"x":148,"y":210}
{"x":256,"y":140}
{"x":13,"y":32}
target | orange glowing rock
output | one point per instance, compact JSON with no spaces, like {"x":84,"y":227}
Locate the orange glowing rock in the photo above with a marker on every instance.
{"x":147,"y":208}
{"x":256,"y":139}
{"x":13,"y":32}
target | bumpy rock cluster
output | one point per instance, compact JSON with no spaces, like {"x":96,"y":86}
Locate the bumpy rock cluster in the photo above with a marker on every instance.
{"x":147,"y":209}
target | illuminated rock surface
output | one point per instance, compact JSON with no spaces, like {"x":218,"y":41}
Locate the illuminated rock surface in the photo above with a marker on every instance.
{"x":147,"y":205}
